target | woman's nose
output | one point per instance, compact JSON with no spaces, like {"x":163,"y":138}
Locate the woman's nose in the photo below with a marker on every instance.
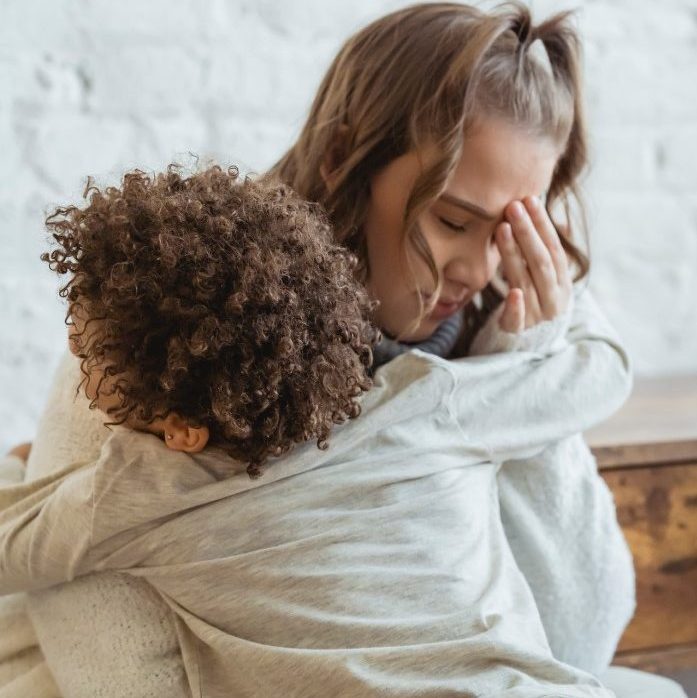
{"x":483,"y":265}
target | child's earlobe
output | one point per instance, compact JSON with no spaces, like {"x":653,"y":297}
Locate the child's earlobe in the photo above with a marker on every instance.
{"x":180,"y":436}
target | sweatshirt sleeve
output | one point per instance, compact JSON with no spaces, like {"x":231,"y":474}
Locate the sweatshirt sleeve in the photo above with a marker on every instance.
{"x":514,"y":404}
{"x":545,"y":336}
{"x":45,"y":529}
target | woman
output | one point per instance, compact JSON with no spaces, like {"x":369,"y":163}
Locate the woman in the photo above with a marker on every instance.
{"x":428,"y":140}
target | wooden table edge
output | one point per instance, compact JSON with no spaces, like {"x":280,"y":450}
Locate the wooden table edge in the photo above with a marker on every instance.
{"x":641,"y":454}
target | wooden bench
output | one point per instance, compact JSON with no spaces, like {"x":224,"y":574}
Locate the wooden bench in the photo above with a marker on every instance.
{"x":647,"y":454}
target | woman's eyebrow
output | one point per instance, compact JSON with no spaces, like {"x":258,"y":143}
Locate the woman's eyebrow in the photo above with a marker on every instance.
{"x":468,"y":206}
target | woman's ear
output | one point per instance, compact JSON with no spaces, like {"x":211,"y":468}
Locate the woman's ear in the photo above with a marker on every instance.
{"x":334,"y":157}
{"x":180,"y":436}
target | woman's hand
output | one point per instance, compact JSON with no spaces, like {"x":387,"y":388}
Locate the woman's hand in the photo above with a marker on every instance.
{"x":22,"y":451}
{"x":534,"y":264}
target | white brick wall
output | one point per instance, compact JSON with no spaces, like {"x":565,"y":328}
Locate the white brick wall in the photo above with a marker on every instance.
{"x":93,"y":87}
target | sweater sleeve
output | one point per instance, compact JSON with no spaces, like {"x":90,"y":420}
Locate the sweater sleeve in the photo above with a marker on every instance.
{"x":514,"y":404}
{"x":11,"y":470}
{"x":45,"y":529}
{"x":544,"y":336}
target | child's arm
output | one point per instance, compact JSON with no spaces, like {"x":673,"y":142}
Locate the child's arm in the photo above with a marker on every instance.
{"x":560,"y":384}
{"x":45,"y":529}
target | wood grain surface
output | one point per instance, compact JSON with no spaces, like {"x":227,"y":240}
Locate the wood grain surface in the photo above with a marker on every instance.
{"x":674,"y":658}
{"x":647,"y":454}
{"x":657,"y":509}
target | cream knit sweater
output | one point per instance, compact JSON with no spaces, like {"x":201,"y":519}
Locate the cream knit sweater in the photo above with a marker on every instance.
{"x":102,"y":635}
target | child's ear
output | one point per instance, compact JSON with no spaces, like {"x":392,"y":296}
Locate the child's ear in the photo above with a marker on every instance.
{"x":180,"y":436}
{"x":334,"y":157}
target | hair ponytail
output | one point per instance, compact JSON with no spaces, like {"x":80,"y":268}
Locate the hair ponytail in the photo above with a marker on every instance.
{"x":564,"y":51}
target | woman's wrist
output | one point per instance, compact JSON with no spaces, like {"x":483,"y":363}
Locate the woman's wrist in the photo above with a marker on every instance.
{"x":541,"y":337}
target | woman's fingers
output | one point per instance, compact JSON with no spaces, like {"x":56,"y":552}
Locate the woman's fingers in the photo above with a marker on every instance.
{"x":513,"y":316}
{"x":532,"y":237}
{"x":516,"y":273}
{"x":514,"y":266}
{"x":537,"y":256}
{"x":550,"y":237}
{"x":22,"y":451}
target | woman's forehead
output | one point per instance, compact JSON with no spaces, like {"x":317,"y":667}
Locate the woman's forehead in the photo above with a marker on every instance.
{"x":500,"y":163}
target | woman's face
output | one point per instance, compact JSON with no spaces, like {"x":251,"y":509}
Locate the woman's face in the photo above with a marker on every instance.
{"x":499,"y":164}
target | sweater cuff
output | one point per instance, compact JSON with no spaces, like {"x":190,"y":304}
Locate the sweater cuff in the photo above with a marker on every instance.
{"x":543,"y":337}
{"x":12,"y":470}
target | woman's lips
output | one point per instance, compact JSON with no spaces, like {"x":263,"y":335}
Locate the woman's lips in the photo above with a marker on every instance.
{"x":445,"y":308}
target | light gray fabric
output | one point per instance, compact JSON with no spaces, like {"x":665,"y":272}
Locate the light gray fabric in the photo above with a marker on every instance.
{"x":377,"y":567}
{"x":558,"y":514}
{"x":630,"y":683}
{"x":70,"y":645}
{"x":23,"y":671}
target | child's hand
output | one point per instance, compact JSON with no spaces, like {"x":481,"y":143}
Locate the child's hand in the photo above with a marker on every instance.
{"x":22,"y":451}
{"x":534,"y":265}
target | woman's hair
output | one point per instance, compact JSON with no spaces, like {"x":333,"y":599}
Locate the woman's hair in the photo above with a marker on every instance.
{"x":225,"y":301}
{"x":421,"y":77}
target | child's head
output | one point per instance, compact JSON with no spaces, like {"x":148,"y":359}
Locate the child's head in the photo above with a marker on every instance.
{"x":440,"y":98}
{"x":206,"y":305}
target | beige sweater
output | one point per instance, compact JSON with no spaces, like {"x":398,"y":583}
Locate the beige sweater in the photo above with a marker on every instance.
{"x":23,"y":671}
{"x":126,"y":645}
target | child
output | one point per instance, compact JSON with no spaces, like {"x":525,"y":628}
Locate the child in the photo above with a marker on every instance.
{"x":217,"y":327}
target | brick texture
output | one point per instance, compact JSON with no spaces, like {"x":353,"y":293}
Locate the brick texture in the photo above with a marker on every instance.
{"x":93,"y":87}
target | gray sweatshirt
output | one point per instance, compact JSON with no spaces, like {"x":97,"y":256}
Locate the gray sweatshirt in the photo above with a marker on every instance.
{"x":377,"y":567}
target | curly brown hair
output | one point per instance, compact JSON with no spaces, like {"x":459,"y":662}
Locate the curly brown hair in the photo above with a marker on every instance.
{"x":222,"y":299}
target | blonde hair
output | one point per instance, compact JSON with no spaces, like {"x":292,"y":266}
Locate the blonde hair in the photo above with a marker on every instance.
{"x":422,"y":76}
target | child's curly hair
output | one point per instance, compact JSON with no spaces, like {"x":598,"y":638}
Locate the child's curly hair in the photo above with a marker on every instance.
{"x":221,"y":299}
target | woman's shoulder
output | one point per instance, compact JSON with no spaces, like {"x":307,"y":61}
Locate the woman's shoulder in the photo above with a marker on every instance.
{"x":412,"y":382}
{"x":68,"y":431}
{"x":408,"y":369}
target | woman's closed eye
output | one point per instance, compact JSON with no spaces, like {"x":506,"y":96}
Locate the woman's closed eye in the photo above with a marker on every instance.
{"x":459,"y":227}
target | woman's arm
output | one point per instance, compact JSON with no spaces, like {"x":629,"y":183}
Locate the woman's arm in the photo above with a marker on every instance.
{"x":559,"y":517}
{"x":516,"y":403}
{"x":583,"y":320}
{"x":68,"y":431}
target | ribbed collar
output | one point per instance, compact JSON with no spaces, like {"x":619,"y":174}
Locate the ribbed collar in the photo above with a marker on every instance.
{"x":440,"y":343}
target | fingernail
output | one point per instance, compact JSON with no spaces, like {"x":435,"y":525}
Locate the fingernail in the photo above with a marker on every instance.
{"x":534,"y":201}
{"x":517,"y":210}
